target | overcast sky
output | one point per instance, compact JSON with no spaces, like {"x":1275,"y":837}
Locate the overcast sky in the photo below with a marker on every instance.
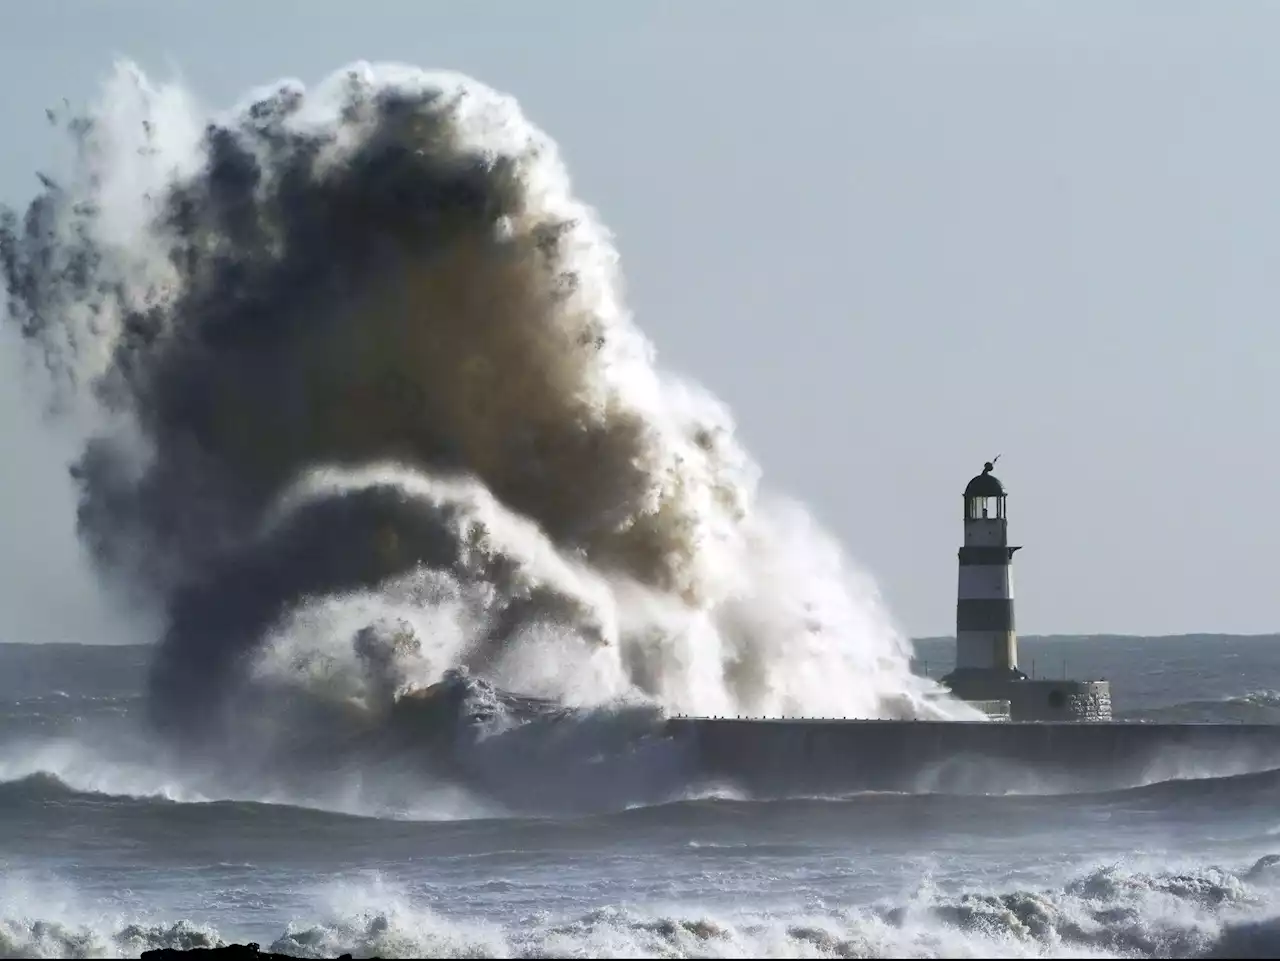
{"x":897,"y":238}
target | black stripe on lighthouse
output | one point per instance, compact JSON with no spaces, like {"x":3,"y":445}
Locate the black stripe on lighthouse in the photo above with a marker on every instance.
{"x":984,"y":614}
{"x":986,"y":556}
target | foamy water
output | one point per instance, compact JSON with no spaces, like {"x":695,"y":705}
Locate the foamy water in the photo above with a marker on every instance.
{"x":107,"y":850}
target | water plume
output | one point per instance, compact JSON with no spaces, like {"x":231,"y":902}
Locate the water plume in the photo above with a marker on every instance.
{"x":372,"y":409}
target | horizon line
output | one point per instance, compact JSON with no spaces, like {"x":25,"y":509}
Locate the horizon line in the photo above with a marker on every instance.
{"x":913,"y":640}
{"x":1112,"y":635}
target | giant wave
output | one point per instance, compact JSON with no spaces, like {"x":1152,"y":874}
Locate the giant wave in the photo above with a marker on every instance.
{"x":368,"y":411}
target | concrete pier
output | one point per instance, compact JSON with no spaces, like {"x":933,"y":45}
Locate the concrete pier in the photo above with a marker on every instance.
{"x":771,"y":757}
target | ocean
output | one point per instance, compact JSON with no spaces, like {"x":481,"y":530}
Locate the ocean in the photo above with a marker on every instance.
{"x":107,"y":853}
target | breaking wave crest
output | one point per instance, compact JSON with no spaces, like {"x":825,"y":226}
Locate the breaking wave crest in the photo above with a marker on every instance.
{"x":368,"y":408}
{"x":1110,"y":912}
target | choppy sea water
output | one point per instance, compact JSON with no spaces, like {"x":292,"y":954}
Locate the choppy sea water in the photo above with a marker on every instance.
{"x":108,"y":853}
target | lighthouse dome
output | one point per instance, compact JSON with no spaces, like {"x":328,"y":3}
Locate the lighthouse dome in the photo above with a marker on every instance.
{"x":985,"y":484}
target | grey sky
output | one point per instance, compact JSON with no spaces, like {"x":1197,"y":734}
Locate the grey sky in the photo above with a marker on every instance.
{"x":896,"y":238}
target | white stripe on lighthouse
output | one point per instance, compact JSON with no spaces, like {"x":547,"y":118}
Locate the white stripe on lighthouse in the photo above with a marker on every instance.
{"x":986,"y":650}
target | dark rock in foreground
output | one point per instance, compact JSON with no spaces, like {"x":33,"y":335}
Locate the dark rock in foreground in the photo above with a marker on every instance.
{"x":229,"y":952}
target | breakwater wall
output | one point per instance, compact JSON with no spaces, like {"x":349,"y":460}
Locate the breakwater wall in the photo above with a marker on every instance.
{"x":813,"y":756}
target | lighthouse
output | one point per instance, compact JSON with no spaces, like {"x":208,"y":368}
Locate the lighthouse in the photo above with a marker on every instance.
{"x":986,"y":635}
{"x":986,"y":671}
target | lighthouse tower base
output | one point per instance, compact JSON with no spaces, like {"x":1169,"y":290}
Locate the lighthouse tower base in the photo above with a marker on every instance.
{"x":1032,"y":700}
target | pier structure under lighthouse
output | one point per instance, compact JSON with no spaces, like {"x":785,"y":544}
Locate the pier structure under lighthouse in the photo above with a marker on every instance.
{"x":986,"y":669}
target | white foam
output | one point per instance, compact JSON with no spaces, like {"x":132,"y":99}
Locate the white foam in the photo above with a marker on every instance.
{"x":1108,"y":912}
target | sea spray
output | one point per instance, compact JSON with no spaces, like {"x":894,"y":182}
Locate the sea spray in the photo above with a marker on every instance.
{"x":361,"y":363}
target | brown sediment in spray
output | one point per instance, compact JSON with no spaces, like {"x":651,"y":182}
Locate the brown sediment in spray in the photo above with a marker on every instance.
{"x":390,"y":275}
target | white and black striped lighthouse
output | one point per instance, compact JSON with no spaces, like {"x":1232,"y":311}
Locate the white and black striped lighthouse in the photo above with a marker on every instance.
{"x":986,"y":635}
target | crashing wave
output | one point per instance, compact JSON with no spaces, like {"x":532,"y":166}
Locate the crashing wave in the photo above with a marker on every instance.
{"x":357,"y":356}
